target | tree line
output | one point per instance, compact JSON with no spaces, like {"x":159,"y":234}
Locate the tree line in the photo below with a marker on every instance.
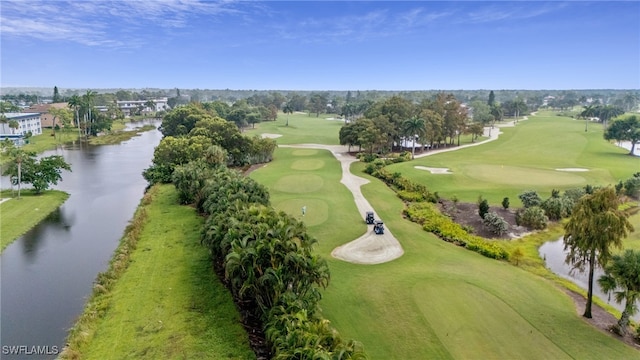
{"x":264,"y":257}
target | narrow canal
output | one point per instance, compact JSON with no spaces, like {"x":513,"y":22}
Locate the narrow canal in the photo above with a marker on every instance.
{"x":554,"y":255}
{"x":46,"y":275}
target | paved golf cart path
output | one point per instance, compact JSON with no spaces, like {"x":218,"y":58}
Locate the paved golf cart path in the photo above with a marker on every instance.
{"x":371,"y":248}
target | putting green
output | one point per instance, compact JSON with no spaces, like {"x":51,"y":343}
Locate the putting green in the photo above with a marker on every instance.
{"x":299,"y":183}
{"x":317,"y":211}
{"x":307,"y":164}
{"x":516,"y":175}
{"x":304,"y":152}
{"x":496,"y":326}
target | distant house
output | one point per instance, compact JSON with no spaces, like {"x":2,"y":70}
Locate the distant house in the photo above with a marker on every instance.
{"x":129,"y":106}
{"x":46,"y":118}
{"x":26,"y":122}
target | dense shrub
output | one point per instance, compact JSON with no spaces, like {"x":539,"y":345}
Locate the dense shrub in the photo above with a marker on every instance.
{"x":532,"y":218}
{"x":557,"y":208}
{"x":505,"y":203}
{"x":574,"y":194}
{"x":495,"y":223}
{"x":483,"y":207}
{"x":632,"y":186}
{"x":434,"y":221}
{"x":530,"y":198}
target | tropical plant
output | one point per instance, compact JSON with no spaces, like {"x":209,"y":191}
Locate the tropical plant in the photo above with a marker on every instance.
{"x":414,"y":129}
{"x":596,"y":225}
{"x":288,"y":109}
{"x":622,"y":278}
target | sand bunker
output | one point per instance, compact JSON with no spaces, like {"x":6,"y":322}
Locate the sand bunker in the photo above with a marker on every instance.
{"x":434,"y":170}
{"x":572,"y":169}
{"x":270,"y":136}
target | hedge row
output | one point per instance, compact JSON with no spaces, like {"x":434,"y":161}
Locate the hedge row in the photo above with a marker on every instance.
{"x":432,"y":220}
{"x":267,"y":261}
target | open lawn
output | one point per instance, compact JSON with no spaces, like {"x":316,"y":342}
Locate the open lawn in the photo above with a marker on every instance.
{"x":526,"y":157}
{"x":169,"y":304}
{"x":438,"y":300}
{"x":17,"y":216}
{"x":302,"y":129}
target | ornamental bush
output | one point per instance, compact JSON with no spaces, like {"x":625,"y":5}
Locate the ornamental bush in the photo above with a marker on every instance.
{"x":495,"y":223}
{"x":532,"y":218}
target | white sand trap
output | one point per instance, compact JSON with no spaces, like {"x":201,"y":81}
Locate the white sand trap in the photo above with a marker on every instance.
{"x":271,"y":136}
{"x":4,"y":199}
{"x":573,"y":169}
{"x":434,"y":170}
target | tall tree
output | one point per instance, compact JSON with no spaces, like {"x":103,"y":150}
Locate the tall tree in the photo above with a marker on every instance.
{"x":14,"y":125}
{"x":414,"y":129}
{"x":625,"y":129}
{"x":596,"y":225}
{"x":492,"y":99}
{"x":56,"y":95}
{"x":622,"y":277}
{"x":75,"y":102}
{"x":288,"y":109}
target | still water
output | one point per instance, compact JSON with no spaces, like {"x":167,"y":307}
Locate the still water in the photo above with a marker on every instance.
{"x":47,"y":274}
{"x":554,"y":255}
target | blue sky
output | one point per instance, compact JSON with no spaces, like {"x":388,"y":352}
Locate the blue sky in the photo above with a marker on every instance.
{"x":320,"y":45}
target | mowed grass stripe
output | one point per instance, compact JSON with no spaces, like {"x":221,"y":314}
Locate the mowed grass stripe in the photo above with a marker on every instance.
{"x":169,"y":304}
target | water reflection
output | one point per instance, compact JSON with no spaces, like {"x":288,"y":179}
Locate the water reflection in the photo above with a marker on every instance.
{"x":554,"y":255}
{"x":47,"y":274}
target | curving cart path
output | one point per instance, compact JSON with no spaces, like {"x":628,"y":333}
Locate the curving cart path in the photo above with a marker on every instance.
{"x":371,"y":248}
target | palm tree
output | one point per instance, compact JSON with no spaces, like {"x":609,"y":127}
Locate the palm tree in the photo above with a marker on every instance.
{"x":14,"y":125}
{"x":596,"y":225}
{"x":622,"y":277}
{"x":588,"y":113}
{"x":608,"y":112}
{"x":288,"y":109}
{"x":75,"y":102}
{"x":150,"y":104}
{"x":413,"y":128}
{"x":88,"y":99}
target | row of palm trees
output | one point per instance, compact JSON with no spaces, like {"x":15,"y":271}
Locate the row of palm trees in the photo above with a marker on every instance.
{"x":84,"y":104}
{"x":267,"y":259}
{"x":603,"y":113}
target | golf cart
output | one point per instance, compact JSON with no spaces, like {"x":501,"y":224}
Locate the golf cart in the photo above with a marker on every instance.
{"x":369,"y":219}
{"x":378,"y":228}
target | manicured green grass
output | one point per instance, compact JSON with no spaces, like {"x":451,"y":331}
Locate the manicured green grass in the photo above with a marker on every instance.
{"x":526,"y":157}
{"x":17,"y":216}
{"x":302,"y":129}
{"x":46,"y":141}
{"x":438,"y":300}
{"x":169,"y":304}
{"x":116,"y":137}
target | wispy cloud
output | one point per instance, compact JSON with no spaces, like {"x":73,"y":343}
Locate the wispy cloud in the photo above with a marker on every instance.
{"x":510,"y":11}
{"x":369,"y":25}
{"x":91,"y":23}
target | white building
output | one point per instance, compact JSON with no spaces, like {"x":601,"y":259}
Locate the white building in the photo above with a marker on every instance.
{"x":26,"y":121}
{"x":160,"y":104}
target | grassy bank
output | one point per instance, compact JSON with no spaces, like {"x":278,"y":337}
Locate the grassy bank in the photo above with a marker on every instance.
{"x":438,"y":300}
{"x":117,"y":137}
{"x":160,"y":298}
{"x":17,"y":216}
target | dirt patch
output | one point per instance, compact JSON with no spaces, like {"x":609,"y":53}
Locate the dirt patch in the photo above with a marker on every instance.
{"x":600,"y":319}
{"x":466,"y":214}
